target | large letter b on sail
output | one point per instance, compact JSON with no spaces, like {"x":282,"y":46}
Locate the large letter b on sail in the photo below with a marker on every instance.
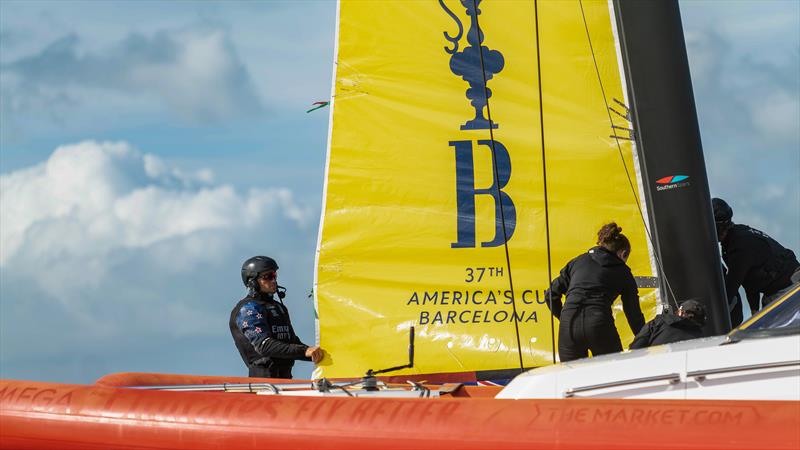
{"x":505,"y":213}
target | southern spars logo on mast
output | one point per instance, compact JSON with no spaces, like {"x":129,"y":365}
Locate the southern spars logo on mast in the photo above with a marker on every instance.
{"x":672,"y":182}
{"x":477,"y":64}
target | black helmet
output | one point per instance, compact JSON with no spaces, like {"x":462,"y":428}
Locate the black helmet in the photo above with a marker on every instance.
{"x":694,"y":310}
{"x":722,"y":211}
{"x":722,"y":216}
{"x":256,"y":265}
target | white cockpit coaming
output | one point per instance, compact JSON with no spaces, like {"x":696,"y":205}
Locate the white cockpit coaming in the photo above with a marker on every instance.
{"x":708,"y":368}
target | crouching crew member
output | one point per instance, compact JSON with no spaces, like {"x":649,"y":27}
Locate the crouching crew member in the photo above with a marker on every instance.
{"x":755,"y":261}
{"x":591,"y":282}
{"x":668,"y":328}
{"x":261,"y":328}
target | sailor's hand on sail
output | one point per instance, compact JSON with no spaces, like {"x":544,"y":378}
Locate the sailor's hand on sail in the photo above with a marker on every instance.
{"x":315,"y":353}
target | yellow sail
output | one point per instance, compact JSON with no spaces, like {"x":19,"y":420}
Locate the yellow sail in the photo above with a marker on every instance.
{"x":419,"y":162}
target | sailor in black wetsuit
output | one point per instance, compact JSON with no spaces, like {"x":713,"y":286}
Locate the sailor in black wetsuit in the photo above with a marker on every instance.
{"x":669,"y":328}
{"x":591,"y":282}
{"x":261,"y":328}
{"x":754,"y":260}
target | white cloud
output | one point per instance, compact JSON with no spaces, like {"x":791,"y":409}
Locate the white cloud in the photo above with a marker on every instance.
{"x":778,"y":115}
{"x":116,"y":243}
{"x":112,"y":196}
{"x":195,"y":71}
{"x":748,"y":100}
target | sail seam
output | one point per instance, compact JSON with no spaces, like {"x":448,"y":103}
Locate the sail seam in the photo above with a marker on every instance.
{"x":499,"y":196}
{"x":622,"y":157}
{"x":544,"y":182}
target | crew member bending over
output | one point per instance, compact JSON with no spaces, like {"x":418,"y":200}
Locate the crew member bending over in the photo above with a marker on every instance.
{"x":668,"y":328}
{"x":591,"y":282}
{"x":755,"y":262}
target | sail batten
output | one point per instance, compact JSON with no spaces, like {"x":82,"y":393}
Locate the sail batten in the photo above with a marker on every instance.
{"x":653,"y":282}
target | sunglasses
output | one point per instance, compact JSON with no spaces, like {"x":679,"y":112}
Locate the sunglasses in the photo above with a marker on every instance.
{"x":269,"y":276}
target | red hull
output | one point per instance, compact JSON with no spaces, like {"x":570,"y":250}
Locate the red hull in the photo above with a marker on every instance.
{"x":35,"y":415}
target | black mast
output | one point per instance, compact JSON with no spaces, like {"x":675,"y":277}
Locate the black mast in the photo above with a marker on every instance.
{"x":668,"y":140}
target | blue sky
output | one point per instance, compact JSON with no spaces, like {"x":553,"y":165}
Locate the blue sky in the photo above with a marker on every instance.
{"x":147,"y":148}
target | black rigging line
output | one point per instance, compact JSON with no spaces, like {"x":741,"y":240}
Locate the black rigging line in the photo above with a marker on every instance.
{"x":544,"y":176}
{"x":497,"y":182}
{"x":625,"y":165}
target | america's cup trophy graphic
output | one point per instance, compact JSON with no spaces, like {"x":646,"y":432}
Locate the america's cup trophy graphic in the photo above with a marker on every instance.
{"x":476,"y":64}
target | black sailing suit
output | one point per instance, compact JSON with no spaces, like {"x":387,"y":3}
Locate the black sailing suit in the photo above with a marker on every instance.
{"x":666,"y":329}
{"x":756,"y":262}
{"x":264,"y":336}
{"x":591,"y":282}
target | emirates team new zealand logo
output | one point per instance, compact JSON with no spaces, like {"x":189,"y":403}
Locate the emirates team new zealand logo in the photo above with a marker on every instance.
{"x":476,"y":64}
